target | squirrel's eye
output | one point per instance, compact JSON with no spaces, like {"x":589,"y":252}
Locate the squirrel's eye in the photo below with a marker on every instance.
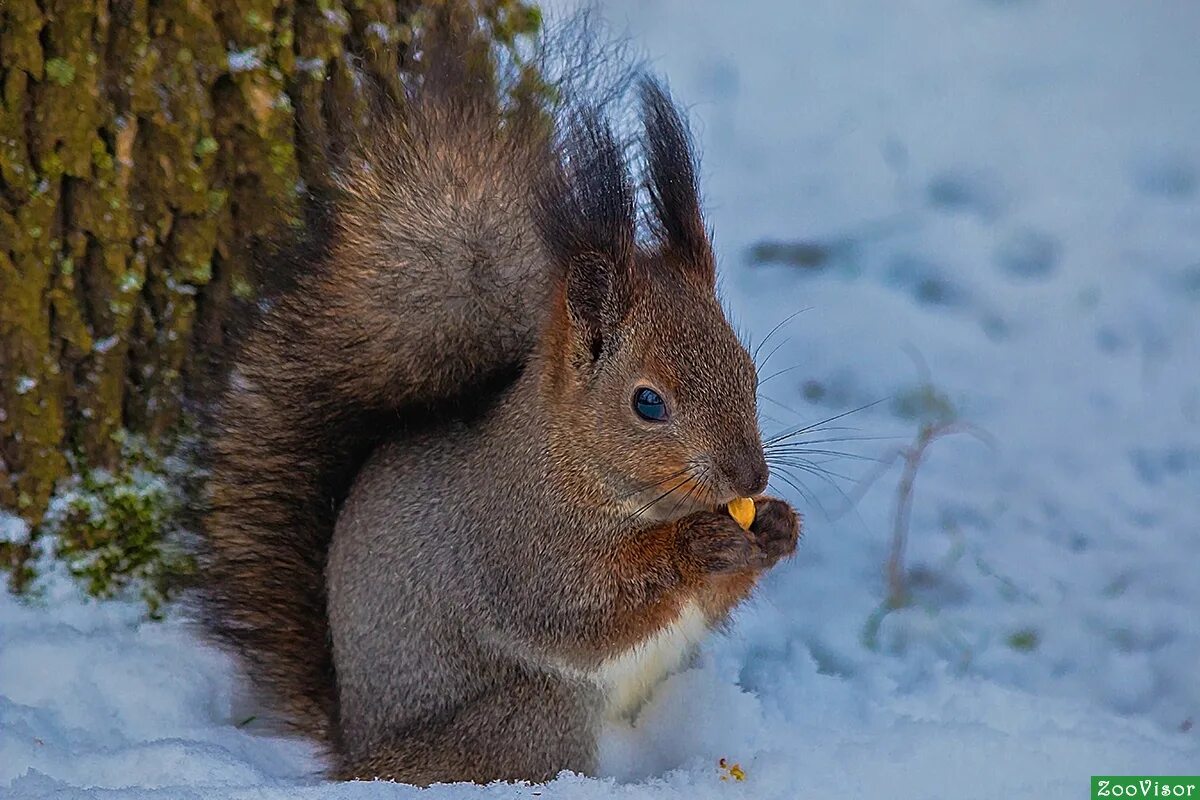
{"x":649,"y":405}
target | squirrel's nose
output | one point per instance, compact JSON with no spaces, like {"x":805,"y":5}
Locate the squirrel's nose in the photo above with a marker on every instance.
{"x":750,"y":475}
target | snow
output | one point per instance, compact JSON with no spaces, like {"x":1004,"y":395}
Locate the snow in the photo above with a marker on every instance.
{"x":381,"y":31}
{"x":13,"y":529}
{"x":244,"y":60}
{"x":997,"y":198}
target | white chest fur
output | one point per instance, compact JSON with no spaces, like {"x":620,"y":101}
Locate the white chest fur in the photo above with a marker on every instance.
{"x":628,"y":678}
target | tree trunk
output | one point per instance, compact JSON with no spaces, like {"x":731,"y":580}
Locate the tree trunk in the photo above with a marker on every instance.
{"x":144,"y":145}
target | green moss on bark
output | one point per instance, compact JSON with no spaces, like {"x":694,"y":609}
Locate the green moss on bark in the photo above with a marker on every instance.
{"x":114,"y":531}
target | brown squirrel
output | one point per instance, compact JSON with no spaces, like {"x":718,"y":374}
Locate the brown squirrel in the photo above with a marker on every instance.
{"x":467,"y":487}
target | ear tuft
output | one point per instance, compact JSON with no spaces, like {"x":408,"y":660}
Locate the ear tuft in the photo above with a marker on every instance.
{"x":671,"y":178}
{"x":586,"y":218}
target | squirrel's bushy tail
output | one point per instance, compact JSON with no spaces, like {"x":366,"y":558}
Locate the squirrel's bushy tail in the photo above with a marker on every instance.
{"x":423,"y":290}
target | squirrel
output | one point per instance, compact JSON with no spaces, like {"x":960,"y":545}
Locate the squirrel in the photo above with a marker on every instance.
{"x":468,"y":475}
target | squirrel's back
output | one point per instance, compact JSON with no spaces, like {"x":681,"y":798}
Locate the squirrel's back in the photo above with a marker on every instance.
{"x":422,"y":292}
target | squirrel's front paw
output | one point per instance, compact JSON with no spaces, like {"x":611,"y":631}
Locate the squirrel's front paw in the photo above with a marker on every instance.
{"x":715,"y":545}
{"x":775,"y":530}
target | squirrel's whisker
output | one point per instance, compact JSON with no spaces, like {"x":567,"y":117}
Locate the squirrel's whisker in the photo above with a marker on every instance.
{"x":655,"y":501}
{"x":682,"y":502}
{"x":780,"y":372}
{"x":814,"y":467}
{"x":788,"y":409}
{"x":822,"y":476}
{"x":803,"y":491}
{"x":815,"y":425}
{"x":805,"y":442}
{"x":654,"y":485}
{"x":763,"y":415}
{"x":828,"y":428}
{"x":821,"y":452}
{"x":773,"y":331}
{"x":767,"y":360}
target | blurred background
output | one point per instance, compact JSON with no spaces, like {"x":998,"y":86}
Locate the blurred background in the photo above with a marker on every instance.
{"x":965,"y":232}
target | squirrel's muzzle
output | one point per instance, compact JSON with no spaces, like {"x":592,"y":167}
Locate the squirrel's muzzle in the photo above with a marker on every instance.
{"x":748,"y":473}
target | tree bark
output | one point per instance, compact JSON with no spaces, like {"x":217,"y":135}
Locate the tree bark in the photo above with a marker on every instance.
{"x":144,"y":146}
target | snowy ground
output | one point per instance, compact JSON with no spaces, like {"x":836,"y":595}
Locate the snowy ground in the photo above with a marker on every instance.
{"x":1009,"y":189}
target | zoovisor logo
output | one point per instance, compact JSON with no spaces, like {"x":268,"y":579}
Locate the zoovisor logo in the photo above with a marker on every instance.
{"x":1146,"y":786}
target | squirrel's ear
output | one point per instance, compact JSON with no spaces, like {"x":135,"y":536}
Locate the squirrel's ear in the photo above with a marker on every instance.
{"x":586,"y":218}
{"x":671,"y":180}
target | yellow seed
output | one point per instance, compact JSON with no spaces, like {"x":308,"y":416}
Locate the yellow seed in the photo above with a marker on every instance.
{"x":742,"y":511}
